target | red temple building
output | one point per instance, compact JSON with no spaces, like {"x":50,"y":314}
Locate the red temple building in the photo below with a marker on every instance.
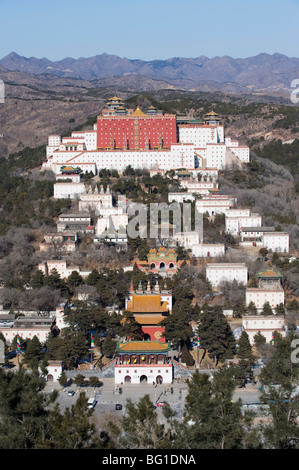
{"x":149,"y":308}
{"x":121,"y":129}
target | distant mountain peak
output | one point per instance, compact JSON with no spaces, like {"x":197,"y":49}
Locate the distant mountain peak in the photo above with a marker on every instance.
{"x":263,"y":71}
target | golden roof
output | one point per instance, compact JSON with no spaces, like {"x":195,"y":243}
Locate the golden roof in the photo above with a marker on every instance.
{"x":115,"y":98}
{"x":212,"y":113}
{"x":68,"y":168}
{"x":147,"y":303}
{"x":269,"y":273}
{"x":140,"y":346}
{"x":138,"y":112}
{"x":149,"y":319}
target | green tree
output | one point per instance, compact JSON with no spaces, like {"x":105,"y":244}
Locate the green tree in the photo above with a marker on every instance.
{"x":211,"y":419}
{"x":130,"y":327}
{"x":279,"y":309}
{"x":37,"y":280}
{"x":140,"y":427}
{"x":63,"y":379}
{"x":267,"y":309}
{"x":251,"y":308}
{"x":93,"y":278}
{"x":74,"y":280}
{"x":108,"y":346}
{"x":279,"y":382}
{"x":215,"y":333}
{"x":67,"y":347}
{"x":80,"y":380}
{"x":94,"y":381}
{"x":186,"y":357}
{"x":23,"y":408}
{"x":72,"y":429}
{"x":33,"y":352}
{"x":245,"y":354}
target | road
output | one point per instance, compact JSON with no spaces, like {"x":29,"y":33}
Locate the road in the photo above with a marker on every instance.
{"x":107,"y":398}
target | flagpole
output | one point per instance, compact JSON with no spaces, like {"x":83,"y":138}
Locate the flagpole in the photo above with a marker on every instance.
{"x":91,"y":350}
{"x":18,"y":350}
{"x":198,"y":349}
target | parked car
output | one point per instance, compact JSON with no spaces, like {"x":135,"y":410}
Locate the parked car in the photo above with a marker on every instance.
{"x":162,"y":403}
{"x":70,"y":393}
{"x":118,"y":406}
{"x":91,"y":403}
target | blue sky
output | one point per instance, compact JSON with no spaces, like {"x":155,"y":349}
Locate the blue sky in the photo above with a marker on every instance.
{"x":156,"y":29}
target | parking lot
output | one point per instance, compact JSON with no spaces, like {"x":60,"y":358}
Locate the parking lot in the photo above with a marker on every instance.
{"x":107,"y":398}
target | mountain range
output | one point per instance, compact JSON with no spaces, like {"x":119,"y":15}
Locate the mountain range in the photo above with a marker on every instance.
{"x":263,"y":72}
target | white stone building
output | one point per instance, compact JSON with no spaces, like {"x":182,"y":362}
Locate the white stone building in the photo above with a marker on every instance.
{"x":208,"y":250}
{"x":59,"y":242}
{"x":265,"y":237}
{"x":180,"y":197}
{"x":54,"y":369}
{"x":64,"y":190}
{"x":215,"y":204}
{"x":233,"y":224}
{"x":261,"y":296}
{"x":198,"y":187}
{"x":74,"y":222}
{"x":186,"y":239}
{"x":95,"y":200}
{"x":200,"y":146}
{"x":217,"y":273}
{"x":269,"y":290}
{"x":61,"y":267}
{"x":276,"y":241}
{"x":266,"y":325}
{"x":112,"y":223}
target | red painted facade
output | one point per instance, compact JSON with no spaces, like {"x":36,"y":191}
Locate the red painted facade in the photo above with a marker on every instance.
{"x":136,"y":131}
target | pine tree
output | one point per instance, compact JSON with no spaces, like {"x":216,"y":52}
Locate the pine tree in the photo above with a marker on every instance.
{"x":186,"y":357}
{"x":23,"y":408}
{"x":140,"y":427}
{"x":211,"y":419}
{"x":62,"y":379}
{"x":267,"y":309}
{"x":251,"y":308}
{"x":131,"y":328}
{"x":215,"y":334}
{"x":72,"y":429}
{"x":37,"y":280}
{"x":279,"y":382}
{"x":33,"y":353}
{"x":245,"y":354}
{"x":259,"y":339}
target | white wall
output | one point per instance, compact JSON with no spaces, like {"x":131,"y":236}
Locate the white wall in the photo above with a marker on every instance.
{"x":259,"y":296}
{"x":68,"y":190}
{"x":208,"y":250}
{"x":222,"y":272}
{"x":120,"y":372}
{"x":265,"y":324}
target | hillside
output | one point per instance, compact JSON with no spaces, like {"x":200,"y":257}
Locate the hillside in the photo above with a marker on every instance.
{"x":38,"y":105}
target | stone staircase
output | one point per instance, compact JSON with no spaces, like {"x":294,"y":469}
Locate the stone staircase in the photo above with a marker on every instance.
{"x":180,"y":371}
